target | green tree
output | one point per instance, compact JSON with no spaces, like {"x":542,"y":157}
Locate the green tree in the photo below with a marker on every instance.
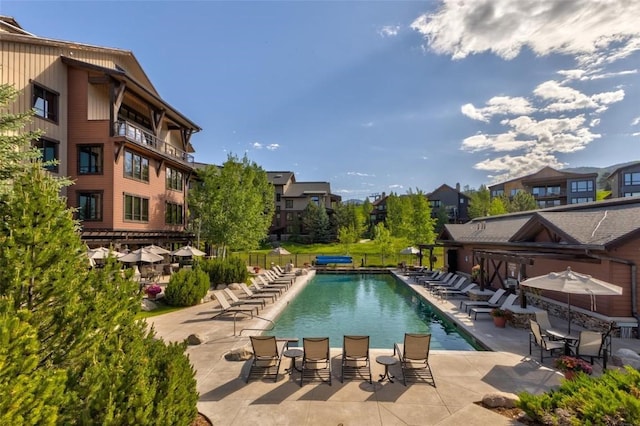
{"x":366,"y":208}
{"x":15,"y":145}
{"x":479,"y":203}
{"x":522,"y":202}
{"x":399,"y":215}
{"x":442,"y":218}
{"x":422,"y":224}
{"x":352,"y":223}
{"x":316,"y":223}
{"x":497,"y":207}
{"x":383,"y":240}
{"x":233,"y":204}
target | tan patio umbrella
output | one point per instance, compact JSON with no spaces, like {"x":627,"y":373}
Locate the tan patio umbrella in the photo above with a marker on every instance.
{"x":102,"y":253}
{"x":157,"y":250}
{"x":141,"y":255}
{"x":570,"y":282}
{"x":280,"y":251}
{"x":187,"y":251}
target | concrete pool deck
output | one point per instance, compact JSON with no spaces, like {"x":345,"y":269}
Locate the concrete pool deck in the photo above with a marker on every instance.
{"x":462,"y":377}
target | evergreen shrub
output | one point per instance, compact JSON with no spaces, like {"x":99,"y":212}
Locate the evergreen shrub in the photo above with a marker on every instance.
{"x":225,"y":271}
{"x":611,"y":399}
{"x":187,"y":287}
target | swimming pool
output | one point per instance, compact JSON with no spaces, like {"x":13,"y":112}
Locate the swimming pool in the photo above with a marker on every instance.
{"x":376,"y":305}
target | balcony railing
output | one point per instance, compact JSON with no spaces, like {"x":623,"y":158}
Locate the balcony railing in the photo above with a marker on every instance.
{"x":142,"y":137}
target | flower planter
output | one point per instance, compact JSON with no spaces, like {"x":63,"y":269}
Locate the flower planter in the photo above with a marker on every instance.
{"x":500,"y":322}
{"x":569,"y":374}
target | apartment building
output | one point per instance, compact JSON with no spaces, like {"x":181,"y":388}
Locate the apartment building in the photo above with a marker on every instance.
{"x":454,"y":203}
{"x":127,"y":150}
{"x":291,"y":198}
{"x":551,"y":187}
{"x":625,"y":181}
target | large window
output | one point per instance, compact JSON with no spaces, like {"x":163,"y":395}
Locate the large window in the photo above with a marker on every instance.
{"x":278,"y":196}
{"x":173,"y":214}
{"x":434,"y":204}
{"x":582,"y":186}
{"x":175,"y":179}
{"x":632,"y":178}
{"x":90,"y":159}
{"x":288,"y":204}
{"x":497,"y":192}
{"x":90,"y":205}
{"x":49,"y":150}
{"x":315,"y":200}
{"x":136,"y":208}
{"x":577,"y":200}
{"x":136,"y":166}
{"x":45,"y":103}
{"x":631,"y":194}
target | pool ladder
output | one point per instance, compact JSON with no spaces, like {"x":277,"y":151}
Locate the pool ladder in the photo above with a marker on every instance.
{"x":273,"y":324}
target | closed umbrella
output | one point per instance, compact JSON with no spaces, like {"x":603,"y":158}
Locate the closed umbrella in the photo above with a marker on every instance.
{"x":570,"y":282}
{"x":187,"y":251}
{"x":280,"y":251}
{"x":141,"y":255}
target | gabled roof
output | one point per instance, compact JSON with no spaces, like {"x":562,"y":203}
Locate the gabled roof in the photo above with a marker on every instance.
{"x":621,"y":168}
{"x":447,"y":188}
{"x":304,"y":189}
{"x":497,"y":229}
{"x":280,"y":178}
{"x":546,"y":173}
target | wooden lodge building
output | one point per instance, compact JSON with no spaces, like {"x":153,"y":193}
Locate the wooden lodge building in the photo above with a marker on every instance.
{"x":601,"y":239}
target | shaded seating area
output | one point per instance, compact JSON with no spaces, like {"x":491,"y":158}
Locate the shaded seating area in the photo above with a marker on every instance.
{"x":592,"y":345}
{"x":267,"y":355}
{"x":316,"y":360}
{"x":355,"y":358}
{"x":414,"y":357}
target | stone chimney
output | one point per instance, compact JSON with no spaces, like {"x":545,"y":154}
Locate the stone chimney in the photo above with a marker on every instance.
{"x":458,"y":187}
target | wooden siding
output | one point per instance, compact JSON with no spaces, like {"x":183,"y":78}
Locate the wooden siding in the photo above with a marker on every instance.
{"x":98,"y":107}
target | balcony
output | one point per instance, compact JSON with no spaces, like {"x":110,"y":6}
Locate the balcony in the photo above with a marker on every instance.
{"x":146,"y":139}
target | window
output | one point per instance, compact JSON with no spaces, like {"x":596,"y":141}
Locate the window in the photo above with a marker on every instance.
{"x":461,"y":200}
{"x":90,"y":205}
{"x":497,"y":192}
{"x":515,"y":191}
{"x":278,"y":197}
{"x":288,"y":204}
{"x":582,"y":186}
{"x":632,"y":178}
{"x":290,"y":229}
{"x":576,"y":200}
{"x":553,"y":190}
{"x":136,"y":166}
{"x":289,"y":216}
{"x":49,"y":151}
{"x":434,"y":204}
{"x":631,"y":194}
{"x":45,"y":103}
{"x":173,"y":214}
{"x":89,"y":159}
{"x":175,"y":179}
{"x":538,"y":190}
{"x":136,"y":208}
{"x":315,"y":200}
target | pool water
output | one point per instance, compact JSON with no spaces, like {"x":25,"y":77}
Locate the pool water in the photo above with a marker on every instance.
{"x":376,"y":305}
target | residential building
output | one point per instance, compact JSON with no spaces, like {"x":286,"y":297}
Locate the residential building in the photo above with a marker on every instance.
{"x":600,"y":239}
{"x":454,"y":203}
{"x":126,"y":149}
{"x":291,"y":199}
{"x":551,"y":187}
{"x":378,"y":209}
{"x":625,"y":181}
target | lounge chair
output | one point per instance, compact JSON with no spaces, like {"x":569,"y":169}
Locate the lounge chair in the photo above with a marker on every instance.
{"x":455,"y":284}
{"x":316,"y":360}
{"x":282,"y":273}
{"x":414,"y":357}
{"x":444,"y":293}
{"x":261,"y":289}
{"x":235,"y":301}
{"x":355,"y":358}
{"x":228,"y":309}
{"x":267,"y":283}
{"x":545,"y":344}
{"x":439,"y":279}
{"x":267,"y":354}
{"x":257,"y":295}
{"x":508,"y":302}
{"x":271,"y":277}
{"x":491,"y":303}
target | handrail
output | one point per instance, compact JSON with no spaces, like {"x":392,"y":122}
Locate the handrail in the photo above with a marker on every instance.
{"x":145,"y":138}
{"x":273,"y":324}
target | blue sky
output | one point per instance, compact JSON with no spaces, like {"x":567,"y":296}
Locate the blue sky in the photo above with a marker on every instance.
{"x":382,"y":96}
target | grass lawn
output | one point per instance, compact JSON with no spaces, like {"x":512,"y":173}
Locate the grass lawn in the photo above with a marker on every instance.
{"x":162,"y":309}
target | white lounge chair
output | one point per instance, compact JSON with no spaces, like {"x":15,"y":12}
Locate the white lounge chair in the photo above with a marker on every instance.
{"x":508,"y":302}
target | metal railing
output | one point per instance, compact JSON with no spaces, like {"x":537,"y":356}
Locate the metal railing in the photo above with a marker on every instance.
{"x":144,"y":138}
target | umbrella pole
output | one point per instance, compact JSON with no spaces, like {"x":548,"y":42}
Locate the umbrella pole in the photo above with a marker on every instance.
{"x":569,"y":304}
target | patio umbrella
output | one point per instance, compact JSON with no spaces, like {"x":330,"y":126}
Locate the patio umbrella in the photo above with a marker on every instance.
{"x":280,"y":251}
{"x":157,"y":250}
{"x":102,"y":253}
{"x":409,"y":250}
{"x":141,"y":255}
{"x":570,"y":282}
{"x":187,"y":251}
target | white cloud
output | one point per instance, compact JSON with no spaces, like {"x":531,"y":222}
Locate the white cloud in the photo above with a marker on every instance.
{"x":502,"y":142}
{"x":598,"y":31}
{"x":396,"y":186}
{"x":498,"y":105}
{"x":389,"y":30}
{"x":594,"y":122}
{"x":368,"y":124}
{"x":572,"y":74}
{"x":360,"y":174}
{"x":635,"y":121}
{"x":596,"y":76}
{"x":273,"y":146}
{"x":256,"y":145}
{"x":520,"y":165}
{"x":635,"y":134}
{"x":569,"y":99}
